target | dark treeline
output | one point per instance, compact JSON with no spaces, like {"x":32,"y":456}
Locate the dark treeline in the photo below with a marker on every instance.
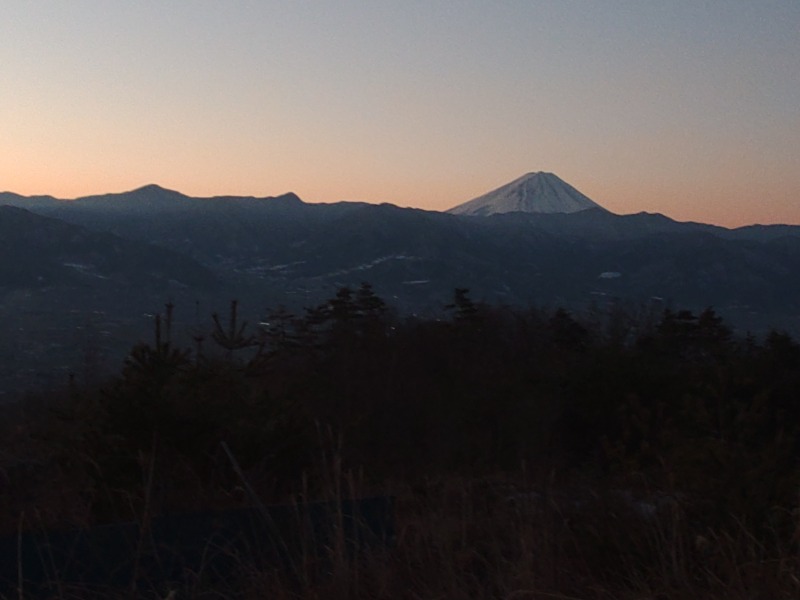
{"x":670,"y":403}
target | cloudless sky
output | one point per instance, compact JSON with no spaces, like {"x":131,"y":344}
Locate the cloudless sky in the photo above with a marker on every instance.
{"x":686,"y":107}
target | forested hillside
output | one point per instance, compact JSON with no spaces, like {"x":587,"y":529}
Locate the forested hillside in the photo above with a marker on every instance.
{"x":666,"y":411}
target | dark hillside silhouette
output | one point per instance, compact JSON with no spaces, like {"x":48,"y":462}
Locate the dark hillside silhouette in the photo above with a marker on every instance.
{"x":668,"y":413}
{"x":678,"y":401}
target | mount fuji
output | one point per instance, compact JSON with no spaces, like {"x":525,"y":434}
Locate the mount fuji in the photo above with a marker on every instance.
{"x":532,"y":193}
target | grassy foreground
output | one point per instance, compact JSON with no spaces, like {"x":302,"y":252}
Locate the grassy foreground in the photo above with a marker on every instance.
{"x":513,"y":538}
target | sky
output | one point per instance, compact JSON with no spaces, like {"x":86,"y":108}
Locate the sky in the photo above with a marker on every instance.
{"x":689,"y":108}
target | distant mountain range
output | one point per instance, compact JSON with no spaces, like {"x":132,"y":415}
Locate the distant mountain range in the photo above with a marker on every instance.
{"x":535,"y":241}
{"x":539,"y":240}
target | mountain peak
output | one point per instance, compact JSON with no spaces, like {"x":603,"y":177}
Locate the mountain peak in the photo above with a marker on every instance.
{"x":142,"y":199}
{"x":153,"y":190}
{"x":535,"y":192}
{"x":150,"y":187}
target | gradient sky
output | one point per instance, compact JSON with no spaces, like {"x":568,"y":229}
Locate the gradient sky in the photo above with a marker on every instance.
{"x":686,"y":107}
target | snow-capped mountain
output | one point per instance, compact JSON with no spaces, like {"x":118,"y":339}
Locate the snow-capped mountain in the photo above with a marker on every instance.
{"x":532,"y":193}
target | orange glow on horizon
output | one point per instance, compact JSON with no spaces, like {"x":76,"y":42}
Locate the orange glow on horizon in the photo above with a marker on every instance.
{"x":683,"y":202}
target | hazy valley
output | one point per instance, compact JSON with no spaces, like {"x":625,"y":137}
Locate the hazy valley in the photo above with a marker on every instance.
{"x":80,"y":279}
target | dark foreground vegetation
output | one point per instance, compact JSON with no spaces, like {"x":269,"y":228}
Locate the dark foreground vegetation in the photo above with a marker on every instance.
{"x":532,"y":454}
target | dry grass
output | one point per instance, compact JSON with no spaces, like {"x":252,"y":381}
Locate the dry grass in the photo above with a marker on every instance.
{"x":513,"y":539}
{"x":468,"y":539}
